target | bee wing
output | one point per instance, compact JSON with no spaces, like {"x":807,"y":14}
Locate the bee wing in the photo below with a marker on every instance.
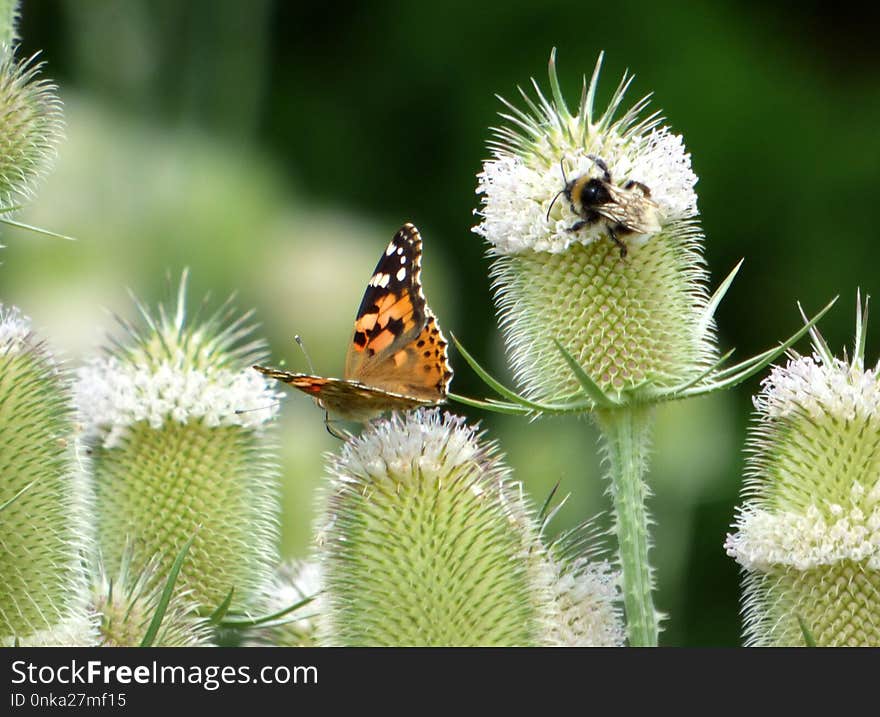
{"x":631,"y":209}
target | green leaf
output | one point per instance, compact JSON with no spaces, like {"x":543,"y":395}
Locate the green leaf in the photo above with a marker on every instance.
{"x":37,"y":230}
{"x":165,"y":598}
{"x":255,"y":621}
{"x":502,"y":390}
{"x":222,"y":608}
{"x":591,"y":388}
{"x":737,"y":374}
{"x":861,"y":327}
{"x":714,"y":367}
{"x":495,"y":406}
{"x":809,"y":641}
{"x":716,"y":299}
{"x":556,"y":90}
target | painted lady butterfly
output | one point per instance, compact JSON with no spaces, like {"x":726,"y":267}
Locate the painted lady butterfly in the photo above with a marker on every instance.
{"x":397,"y":356}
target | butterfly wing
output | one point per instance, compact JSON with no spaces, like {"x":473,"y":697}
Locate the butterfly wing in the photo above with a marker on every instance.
{"x":397,"y":345}
{"x":348,"y":400}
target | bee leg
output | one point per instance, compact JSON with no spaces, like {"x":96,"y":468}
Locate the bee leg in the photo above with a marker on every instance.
{"x":632,"y":184}
{"x":576,"y":226}
{"x":617,"y":240}
{"x":600,"y":163}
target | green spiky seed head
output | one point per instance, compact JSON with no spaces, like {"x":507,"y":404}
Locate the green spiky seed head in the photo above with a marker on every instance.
{"x":297,"y":581}
{"x":632,"y":322}
{"x":176,"y":421}
{"x":126,"y":604}
{"x":426,"y":541}
{"x":31,"y":125}
{"x":43,"y":497}
{"x":808,"y":532}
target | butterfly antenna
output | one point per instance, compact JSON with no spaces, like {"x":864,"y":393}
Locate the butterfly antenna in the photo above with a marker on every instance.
{"x":239,"y":411}
{"x":302,"y":345}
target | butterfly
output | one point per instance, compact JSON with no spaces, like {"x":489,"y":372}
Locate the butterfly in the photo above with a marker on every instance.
{"x":396,"y":359}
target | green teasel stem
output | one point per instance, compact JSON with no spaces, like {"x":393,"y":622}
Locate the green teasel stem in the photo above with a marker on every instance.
{"x":626,"y":434}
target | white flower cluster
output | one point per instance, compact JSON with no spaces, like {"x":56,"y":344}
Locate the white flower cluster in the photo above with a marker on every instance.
{"x":297,"y":581}
{"x":819,"y":536}
{"x":587,"y":595}
{"x":427,"y":442}
{"x":810,"y":385}
{"x":112,"y":395}
{"x":518,"y":192}
{"x":15,"y":327}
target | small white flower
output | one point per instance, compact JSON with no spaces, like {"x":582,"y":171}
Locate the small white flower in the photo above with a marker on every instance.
{"x":112,"y":395}
{"x":808,"y":533}
{"x":588,"y":600}
{"x":816,"y":387}
{"x":15,"y":328}
{"x":521,"y":184}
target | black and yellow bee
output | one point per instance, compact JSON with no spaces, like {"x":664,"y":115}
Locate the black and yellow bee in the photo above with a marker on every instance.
{"x":625,"y":210}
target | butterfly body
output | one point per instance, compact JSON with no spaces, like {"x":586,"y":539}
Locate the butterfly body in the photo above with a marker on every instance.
{"x":396,"y":359}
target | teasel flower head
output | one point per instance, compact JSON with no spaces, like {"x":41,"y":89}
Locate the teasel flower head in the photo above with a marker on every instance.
{"x":808,"y":532}
{"x":127,"y":603}
{"x":31,"y":125}
{"x":425,"y":540}
{"x":634,"y":323}
{"x":586,"y":589}
{"x":176,"y":425}
{"x":297,"y":585}
{"x":44,"y":497}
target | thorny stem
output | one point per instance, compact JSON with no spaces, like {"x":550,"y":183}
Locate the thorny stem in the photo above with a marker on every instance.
{"x":627,"y":436}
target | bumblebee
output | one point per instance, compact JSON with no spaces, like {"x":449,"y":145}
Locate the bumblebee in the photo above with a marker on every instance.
{"x":625,"y":210}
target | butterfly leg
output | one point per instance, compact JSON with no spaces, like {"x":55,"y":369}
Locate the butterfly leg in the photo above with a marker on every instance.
{"x":342,"y":435}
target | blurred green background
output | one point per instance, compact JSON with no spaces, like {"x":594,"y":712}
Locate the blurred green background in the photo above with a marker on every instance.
{"x":275,"y":147}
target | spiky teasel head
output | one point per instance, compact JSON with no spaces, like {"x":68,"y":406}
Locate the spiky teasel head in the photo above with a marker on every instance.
{"x":176,"y":423}
{"x":426,"y":540}
{"x":43,"y":497}
{"x":126,"y":603}
{"x":808,"y":532}
{"x":298,"y":582}
{"x":559,"y":274}
{"x":586,"y":590}
{"x":31,"y":124}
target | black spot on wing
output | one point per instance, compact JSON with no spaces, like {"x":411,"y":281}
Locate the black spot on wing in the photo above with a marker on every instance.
{"x":396,"y":273}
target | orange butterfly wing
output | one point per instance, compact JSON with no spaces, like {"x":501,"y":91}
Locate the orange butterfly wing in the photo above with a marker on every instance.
{"x":397,"y":356}
{"x":397,"y":345}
